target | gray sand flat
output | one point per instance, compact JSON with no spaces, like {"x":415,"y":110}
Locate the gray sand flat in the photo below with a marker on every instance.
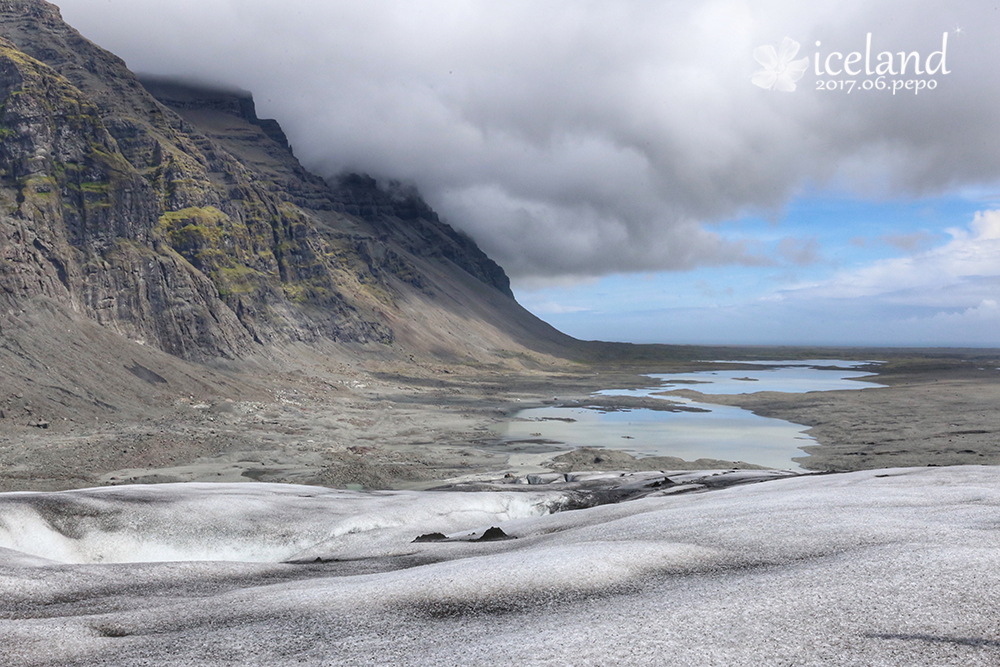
{"x":387,"y":425}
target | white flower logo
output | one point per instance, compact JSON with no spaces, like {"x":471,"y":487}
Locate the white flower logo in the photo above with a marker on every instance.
{"x":780,"y":71}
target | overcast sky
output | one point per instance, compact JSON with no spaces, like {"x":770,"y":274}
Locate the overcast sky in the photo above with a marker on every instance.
{"x":605,"y":150}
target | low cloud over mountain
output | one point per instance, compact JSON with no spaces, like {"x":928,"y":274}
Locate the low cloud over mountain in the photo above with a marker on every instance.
{"x":577,"y":138}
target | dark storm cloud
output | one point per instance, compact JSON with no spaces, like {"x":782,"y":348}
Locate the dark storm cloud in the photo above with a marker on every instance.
{"x":578,"y":138}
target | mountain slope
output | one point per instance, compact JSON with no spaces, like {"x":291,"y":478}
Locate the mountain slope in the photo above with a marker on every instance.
{"x":187,"y":224}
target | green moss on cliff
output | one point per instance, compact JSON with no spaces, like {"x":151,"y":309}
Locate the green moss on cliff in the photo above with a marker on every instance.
{"x":219,"y":246}
{"x":238,"y":279}
{"x":192,"y":229}
{"x":96,"y":187}
{"x":317,"y":292}
{"x":38,"y":197}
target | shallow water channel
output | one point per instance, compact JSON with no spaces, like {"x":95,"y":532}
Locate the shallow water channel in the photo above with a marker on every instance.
{"x":712,"y":431}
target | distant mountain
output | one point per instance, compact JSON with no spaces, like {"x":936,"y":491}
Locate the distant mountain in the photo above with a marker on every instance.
{"x":172,"y":215}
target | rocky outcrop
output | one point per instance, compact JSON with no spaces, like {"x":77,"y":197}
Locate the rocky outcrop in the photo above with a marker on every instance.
{"x":201,"y":236}
{"x":181,"y":96}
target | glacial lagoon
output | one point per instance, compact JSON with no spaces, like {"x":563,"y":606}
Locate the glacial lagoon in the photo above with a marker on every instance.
{"x":708,"y":431}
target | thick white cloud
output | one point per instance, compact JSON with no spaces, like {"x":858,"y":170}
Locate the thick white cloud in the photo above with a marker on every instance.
{"x":576,"y":138}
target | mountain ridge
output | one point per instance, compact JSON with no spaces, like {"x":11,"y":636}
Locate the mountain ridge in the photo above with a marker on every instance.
{"x":188,"y":224}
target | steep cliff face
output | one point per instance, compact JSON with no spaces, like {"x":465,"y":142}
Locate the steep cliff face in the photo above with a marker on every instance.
{"x":187,"y":223}
{"x":395,"y":212}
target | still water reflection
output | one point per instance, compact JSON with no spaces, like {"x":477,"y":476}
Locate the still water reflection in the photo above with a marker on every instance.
{"x":715,"y":432}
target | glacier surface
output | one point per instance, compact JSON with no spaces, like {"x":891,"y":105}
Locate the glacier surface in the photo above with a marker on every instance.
{"x":878,"y":567}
